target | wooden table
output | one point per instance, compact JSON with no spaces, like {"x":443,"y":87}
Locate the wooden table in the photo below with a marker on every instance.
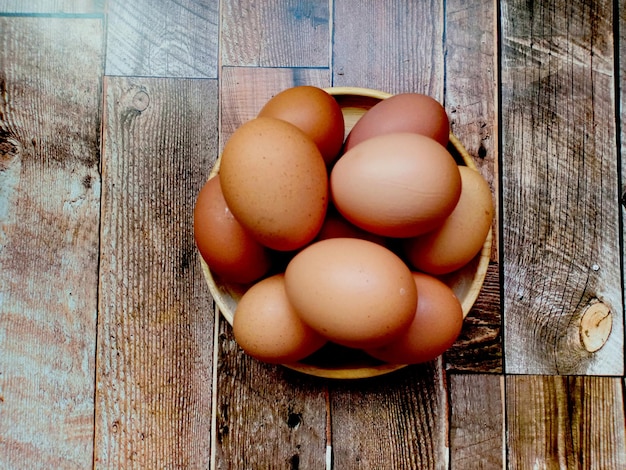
{"x":112,"y":354}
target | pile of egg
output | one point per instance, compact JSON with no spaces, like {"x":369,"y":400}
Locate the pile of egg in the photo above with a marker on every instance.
{"x":343,"y":241}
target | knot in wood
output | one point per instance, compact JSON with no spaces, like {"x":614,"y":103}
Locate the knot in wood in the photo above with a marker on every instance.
{"x":141,"y":101}
{"x":595,"y":326}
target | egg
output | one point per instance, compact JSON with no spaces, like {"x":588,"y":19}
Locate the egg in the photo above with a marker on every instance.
{"x":315,"y":112}
{"x":227,"y":248}
{"x":435,"y":327}
{"x":336,"y":226}
{"x":462,"y":234}
{"x":275,"y":182}
{"x":405,"y":112}
{"x":267,"y":328}
{"x":396,"y":185}
{"x":354,"y":292}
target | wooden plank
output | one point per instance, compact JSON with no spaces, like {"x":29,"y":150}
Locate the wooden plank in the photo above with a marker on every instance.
{"x":479,"y":346}
{"x":565,"y":422}
{"x":155,"y":325}
{"x":275,"y":33}
{"x":245,"y":90}
{"x":395,"y":49}
{"x":52,"y":6}
{"x":470,"y":100}
{"x":49,"y":222}
{"x":173,"y":38}
{"x":266,"y":415}
{"x":476,"y":421}
{"x":399,"y":420}
{"x":621,"y":5}
{"x":560,"y":209}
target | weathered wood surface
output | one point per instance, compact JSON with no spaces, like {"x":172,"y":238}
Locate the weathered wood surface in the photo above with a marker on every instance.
{"x":162,"y":39}
{"x":52,"y":6}
{"x":155,"y":323}
{"x":560,"y":195}
{"x":49,"y":237}
{"x":565,"y":422}
{"x":476,"y":421}
{"x":154,"y":381}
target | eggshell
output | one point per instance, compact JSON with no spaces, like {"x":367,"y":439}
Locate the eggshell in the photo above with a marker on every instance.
{"x":462,"y":234}
{"x":336,"y":226}
{"x":396,"y":185}
{"x":266,"y":326}
{"x":435,"y":327}
{"x":275,"y":182}
{"x":405,"y":112}
{"x":227,"y":248}
{"x":354,"y":292}
{"x":315,"y":112}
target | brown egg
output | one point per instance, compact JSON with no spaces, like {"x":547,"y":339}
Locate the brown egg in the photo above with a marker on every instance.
{"x":396,"y":185}
{"x":266,"y":326}
{"x":336,"y":226}
{"x":315,"y":112}
{"x":406,"y":112}
{"x":227,"y":248}
{"x":354,"y":292}
{"x":436,"y":325}
{"x":463,"y":233}
{"x":275,"y":182}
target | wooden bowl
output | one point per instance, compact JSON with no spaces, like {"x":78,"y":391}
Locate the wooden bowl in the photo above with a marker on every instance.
{"x":338,"y":362}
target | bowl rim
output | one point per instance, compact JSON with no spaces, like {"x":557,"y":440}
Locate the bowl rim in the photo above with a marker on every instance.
{"x":219,"y":294}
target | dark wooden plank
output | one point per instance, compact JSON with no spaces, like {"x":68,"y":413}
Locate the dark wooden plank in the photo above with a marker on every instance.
{"x":49,"y":226}
{"x":565,"y":422}
{"x":560,"y":192}
{"x":52,"y":6}
{"x":163,"y":39}
{"x":394,"y":421}
{"x":155,"y":324}
{"x":275,"y":33}
{"x":479,"y":346}
{"x":267,"y":416}
{"x":470,"y":100}
{"x":476,"y":421}
{"x":396,"y":49}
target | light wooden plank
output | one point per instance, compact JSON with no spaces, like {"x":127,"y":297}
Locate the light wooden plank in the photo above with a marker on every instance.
{"x":52,"y":6}
{"x":395,"y":421}
{"x":397,"y":48}
{"x":155,"y":325}
{"x":275,"y":33}
{"x":470,"y":100}
{"x":266,"y":415}
{"x":50,"y":89}
{"x":560,"y":190}
{"x":245,"y":90}
{"x":172,"y":38}
{"x":622,"y":103}
{"x":476,"y":421}
{"x":565,"y":422}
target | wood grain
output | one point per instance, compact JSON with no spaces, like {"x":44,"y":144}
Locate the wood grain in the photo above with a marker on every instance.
{"x":476,"y":421}
{"x":155,"y":325}
{"x":162,"y":39}
{"x":50,"y":89}
{"x":560,"y":210}
{"x":397,"y":48}
{"x":275,"y":33}
{"x":266,"y":415}
{"x":621,"y":22}
{"x":52,"y":6}
{"x":565,"y":422}
{"x":394,"y":421}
